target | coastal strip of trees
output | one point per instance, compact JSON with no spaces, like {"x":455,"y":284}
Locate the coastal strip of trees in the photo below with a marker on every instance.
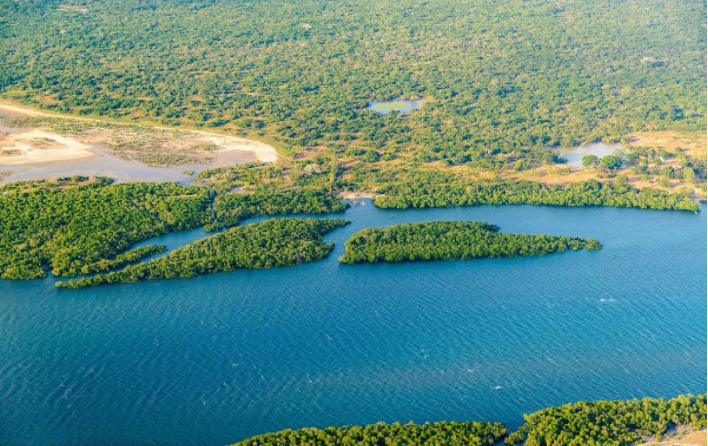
{"x":70,"y":225}
{"x":609,"y":423}
{"x":123,"y":259}
{"x":429,"y":191}
{"x":396,"y":434}
{"x":267,"y":244}
{"x":232,"y":208}
{"x":599,"y":423}
{"x":79,"y":225}
{"x":452,"y":240}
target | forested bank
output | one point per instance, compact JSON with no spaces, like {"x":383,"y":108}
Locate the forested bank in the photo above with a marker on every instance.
{"x":72,"y":225}
{"x":437,"y":191}
{"x":452,"y":240}
{"x":281,"y":242}
{"x":410,"y":434}
{"x":611,"y":423}
{"x":79,"y":225}
{"x":232,"y":208}
{"x":605,"y":423}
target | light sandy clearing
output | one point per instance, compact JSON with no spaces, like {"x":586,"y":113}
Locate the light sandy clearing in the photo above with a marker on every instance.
{"x":689,"y":439}
{"x":39,"y":146}
{"x":262,"y":151}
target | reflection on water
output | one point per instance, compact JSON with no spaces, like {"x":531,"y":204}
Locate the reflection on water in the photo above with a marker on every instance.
{"x":575,"y":155}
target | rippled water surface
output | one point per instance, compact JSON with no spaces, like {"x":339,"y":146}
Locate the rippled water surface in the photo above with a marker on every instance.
{"x":219,"y":358}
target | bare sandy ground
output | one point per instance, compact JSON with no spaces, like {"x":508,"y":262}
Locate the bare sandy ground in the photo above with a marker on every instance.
{"x":688,"y":439}
{"x":39,"y":153}
{"x":36,"y":146}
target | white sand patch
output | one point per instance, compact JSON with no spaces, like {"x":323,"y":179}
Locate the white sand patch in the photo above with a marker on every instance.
{"x":264,"y":152}
{"x":39,"y":146}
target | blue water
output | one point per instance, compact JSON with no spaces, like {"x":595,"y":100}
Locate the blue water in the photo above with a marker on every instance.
{"x":375,"y":106}
{"x":215,"y":359}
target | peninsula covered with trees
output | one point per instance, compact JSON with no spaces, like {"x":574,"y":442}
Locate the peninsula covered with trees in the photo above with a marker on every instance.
{"x":452,"y":240}
{"x":80,"y":225}
{"x":71,"y":225}
{"x":46,"y":224}
{"x":610,"y":423}
{"x":278,"y":242}
{"x":601,"y":423}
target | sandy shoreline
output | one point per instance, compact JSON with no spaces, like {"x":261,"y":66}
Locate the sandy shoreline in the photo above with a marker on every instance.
{"x":698,"y":438}
{"x":34,"y":153}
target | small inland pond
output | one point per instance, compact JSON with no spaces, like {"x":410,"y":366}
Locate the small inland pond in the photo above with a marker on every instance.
{"x":399,"y":105}
{"x":575,"y":155}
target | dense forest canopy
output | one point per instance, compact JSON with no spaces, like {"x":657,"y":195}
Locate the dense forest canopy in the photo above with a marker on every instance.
{"x":493,"y":76}
{"x":71,"y":225}
{"x":597,"y":423}
{"x":396,"y":434}
{"x":610,"y":423}
{"x":433,"y":190}
{"x":282,"y":242}
{"x":80,"y":225}
{"x":452,"y":240}
{"x":230,"y":209}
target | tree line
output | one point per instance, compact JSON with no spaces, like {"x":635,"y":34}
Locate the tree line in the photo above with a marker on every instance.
{"x":598,"y":423}
{"x":71,"y":225}
{"x":452,"y":240}
{"x":231,"y":208}
{"x":395,"y":434}
{"x":609,"y":423}
{"x":277,"y":242}
{"x":433,"y":190}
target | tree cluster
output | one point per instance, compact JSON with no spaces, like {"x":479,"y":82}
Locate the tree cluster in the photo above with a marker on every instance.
{"x":396,"y":434}
{"x":234,"y":207}
{"x":73,"y":226}
{"x":452,"y":240}
{"x":267,"y":244}
{"x":440,"y":191}
{"x":609,"y":423}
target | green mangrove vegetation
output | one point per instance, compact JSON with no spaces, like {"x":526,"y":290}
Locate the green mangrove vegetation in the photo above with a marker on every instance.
{"x":71,"y":225}
{"x":79,"y":225}
{"x":232,"y":208}
{"x":452,"y":240}
{"x":396,"y":434}
{"x":278,"y":242}
{"x":609,"y":423}
{"x":598,"y":423}
{"x":123,"y":259}
{"x":441,"y":191}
